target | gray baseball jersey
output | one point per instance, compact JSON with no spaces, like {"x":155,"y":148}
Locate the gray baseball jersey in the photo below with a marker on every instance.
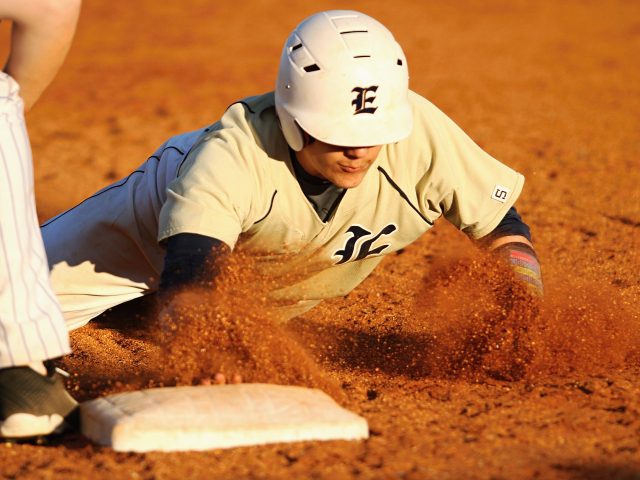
{"x":235,"y":182}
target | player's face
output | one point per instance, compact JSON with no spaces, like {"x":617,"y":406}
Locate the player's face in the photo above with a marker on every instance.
{"x":345,"y":167}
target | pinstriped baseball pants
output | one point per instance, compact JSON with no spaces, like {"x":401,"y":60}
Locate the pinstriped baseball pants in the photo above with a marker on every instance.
{"x":31,"y":324}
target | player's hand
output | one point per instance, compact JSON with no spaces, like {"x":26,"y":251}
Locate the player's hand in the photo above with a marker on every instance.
{"x":221,"y":379}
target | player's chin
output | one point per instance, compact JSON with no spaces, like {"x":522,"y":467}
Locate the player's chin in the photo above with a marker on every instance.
{"x":348,"y":180}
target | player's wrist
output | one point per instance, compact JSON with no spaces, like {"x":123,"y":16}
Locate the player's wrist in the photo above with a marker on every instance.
{"x":525,"y":264}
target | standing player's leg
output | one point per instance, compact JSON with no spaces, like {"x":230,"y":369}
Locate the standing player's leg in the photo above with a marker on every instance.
{"x":31,"y":326}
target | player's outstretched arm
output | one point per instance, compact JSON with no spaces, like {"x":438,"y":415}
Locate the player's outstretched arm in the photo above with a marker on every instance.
{"x":40,"y":39}
{"x":191,"y":260}
{"x":511,"y":240}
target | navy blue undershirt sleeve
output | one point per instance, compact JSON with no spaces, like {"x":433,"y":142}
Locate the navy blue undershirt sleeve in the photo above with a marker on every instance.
{"x":511,"y":224}
{"x":190,"y":260}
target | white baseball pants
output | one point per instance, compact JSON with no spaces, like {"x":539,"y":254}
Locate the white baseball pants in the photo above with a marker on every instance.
{"x":104,"y":251}
{"x":31,"y":324}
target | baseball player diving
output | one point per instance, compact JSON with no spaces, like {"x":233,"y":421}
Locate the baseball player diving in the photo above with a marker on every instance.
{"x":339,"y":166}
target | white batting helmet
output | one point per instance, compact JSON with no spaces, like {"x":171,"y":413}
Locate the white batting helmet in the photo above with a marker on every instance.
{"x":343,"y":79}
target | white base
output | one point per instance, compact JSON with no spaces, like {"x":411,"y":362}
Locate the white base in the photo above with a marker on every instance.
{"x":218,"y":416}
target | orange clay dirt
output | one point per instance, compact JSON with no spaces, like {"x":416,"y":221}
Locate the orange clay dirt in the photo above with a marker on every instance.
{"x":459,"y":374}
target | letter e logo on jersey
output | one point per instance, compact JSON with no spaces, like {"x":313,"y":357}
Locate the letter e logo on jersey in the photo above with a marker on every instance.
{"x":363,"y":98}
{"x":500,"y":193}
{"x":365,"y":249}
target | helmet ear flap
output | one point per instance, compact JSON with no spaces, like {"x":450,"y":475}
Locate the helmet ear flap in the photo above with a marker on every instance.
{"x":291,"y":130}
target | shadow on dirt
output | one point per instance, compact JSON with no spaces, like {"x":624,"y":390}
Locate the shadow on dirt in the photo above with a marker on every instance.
{"x":598,"y":472}
{"x":488,"y":349}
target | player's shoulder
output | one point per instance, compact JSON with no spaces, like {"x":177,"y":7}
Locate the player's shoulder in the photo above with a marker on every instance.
{"x":255,"y":119}
{"x":424,"y":108}
{"x":431,"y":125}
{"x":253,"y":107}
{"x":416,"y":154}
{"x":426,"y":118}
{"x":256,"y":115}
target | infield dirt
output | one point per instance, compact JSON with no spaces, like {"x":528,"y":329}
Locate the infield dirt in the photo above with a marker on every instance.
{"x":455,"y":383}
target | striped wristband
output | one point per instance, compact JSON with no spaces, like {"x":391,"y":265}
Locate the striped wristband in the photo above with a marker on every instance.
{"x":524,"y":262}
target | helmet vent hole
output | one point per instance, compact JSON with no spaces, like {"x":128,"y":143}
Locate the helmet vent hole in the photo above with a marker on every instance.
{"x":301,"y":57}
{"x":357,"y":42}
{"x":399,"y":62}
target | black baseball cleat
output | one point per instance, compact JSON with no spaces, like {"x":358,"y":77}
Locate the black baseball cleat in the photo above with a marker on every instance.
{"x":33,"y":405}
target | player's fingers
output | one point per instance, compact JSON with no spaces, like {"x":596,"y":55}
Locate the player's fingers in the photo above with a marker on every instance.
{"x":237,"y":378}
{"x":205,"y":381}
{"x":220,"y":379}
